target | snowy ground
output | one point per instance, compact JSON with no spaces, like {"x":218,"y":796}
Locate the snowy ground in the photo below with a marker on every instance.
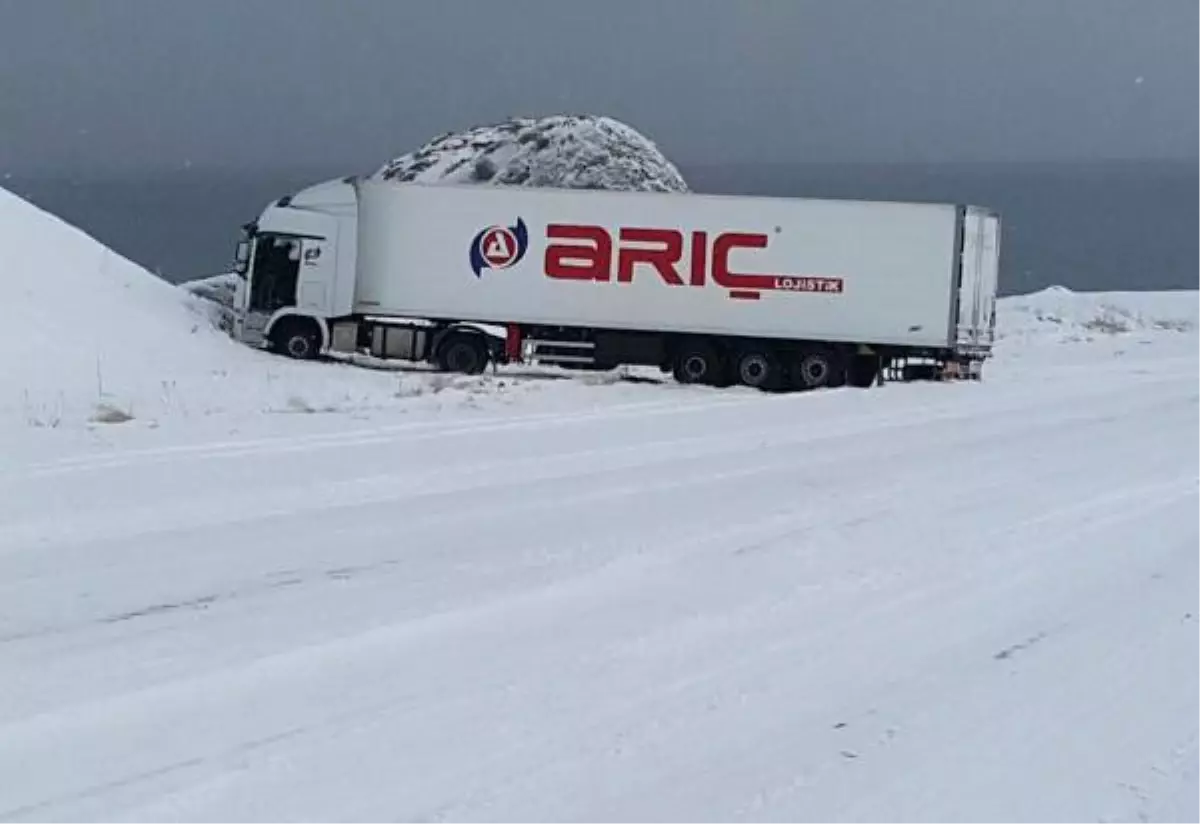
{"x":318,"y":592}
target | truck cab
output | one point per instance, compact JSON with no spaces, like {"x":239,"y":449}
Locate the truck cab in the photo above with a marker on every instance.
{"x":296,"y":269}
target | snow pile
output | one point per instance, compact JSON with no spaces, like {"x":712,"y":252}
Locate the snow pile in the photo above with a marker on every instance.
{"x":219,"y":293}
{"x":563,"y":151}
{"x":88,"y":333}
{"x":1058,"y":314}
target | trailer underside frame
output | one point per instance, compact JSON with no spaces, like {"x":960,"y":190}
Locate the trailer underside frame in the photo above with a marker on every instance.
{"x":714,"y":360}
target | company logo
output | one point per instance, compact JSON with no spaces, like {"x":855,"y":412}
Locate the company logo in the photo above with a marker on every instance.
{"x":593,"y":253}
{"x":499,"y":247}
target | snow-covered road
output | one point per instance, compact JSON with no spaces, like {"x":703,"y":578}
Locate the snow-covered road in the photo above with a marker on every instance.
{"x":952,"y":602}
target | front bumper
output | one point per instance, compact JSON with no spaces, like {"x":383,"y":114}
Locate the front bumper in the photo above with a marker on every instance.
{"x":249,"y":328}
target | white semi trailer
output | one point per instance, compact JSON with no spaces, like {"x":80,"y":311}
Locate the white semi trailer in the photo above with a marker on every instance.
{"x":787,"y":293}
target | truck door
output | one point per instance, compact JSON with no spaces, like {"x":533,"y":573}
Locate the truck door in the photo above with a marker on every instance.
{"x":980,"y":267}
{"x":317,"y":269}
{"x":276,"y":269}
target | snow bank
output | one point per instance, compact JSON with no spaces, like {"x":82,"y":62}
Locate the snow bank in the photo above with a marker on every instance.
{"x":1061,"y":315}
{"x":88,"y":333}
{"x":218,"y":293}
{"x":566,"y":151}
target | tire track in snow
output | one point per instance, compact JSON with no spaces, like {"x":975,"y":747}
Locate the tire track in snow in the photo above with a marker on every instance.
{"x":32,"y":735}
{"x":627,"y":475}
{"x":527,"y":503}
{"x":319,"y":494}
{"x":441,"y":429}
{"x":390,"y":434}
{"x":319,"y":723}
{"x":651,"y":717}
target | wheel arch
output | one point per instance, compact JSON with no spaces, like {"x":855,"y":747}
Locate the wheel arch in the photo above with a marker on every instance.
{"x":491,"y":342}
{"x":292,"y":315}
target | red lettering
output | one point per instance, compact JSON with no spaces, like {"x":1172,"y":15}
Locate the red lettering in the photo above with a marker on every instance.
{"x":699,"y":257}
{"x":585,"y":253}
{"x":721,"y":272}
{"x":663,"y":259}
{"x":591,"y":261}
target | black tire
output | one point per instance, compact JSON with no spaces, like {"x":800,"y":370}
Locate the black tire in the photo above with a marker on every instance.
{"x":698,"y":362}
{"x":463,"y":353}
{"x":299,"y":339}
{"x":820,"y":367}
{"x":758,"y":369}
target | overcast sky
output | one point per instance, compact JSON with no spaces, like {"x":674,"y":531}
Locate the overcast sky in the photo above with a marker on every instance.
{"x":124,"y":84}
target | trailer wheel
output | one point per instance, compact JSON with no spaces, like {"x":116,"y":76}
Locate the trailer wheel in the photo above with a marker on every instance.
{"x":818,"y":368}
{"x":298,"y":338}
{"x":757,"y":369}
{"x":698,"y":362}
{"x":464,"y":353}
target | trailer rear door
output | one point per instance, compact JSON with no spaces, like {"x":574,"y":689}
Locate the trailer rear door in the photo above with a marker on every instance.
{"x":979,"y":276}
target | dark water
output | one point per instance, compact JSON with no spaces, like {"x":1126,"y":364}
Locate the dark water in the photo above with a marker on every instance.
{"x":1087,"y":226}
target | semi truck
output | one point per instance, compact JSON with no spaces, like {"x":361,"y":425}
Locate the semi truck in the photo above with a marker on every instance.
{"x":765,"y":292}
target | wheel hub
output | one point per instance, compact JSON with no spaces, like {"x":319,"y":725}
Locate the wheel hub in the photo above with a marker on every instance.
{"x":461,"y":359}
{"x":695,"y":366}
{"x":815,"y":371}
{"x":754,"y":370}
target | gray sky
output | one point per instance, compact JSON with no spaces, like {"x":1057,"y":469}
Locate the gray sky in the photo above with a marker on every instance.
{"x":124,"y":84}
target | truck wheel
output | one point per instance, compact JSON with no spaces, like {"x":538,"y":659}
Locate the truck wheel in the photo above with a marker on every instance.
{"x":757,"y":369}
{"x":818,"y":368}
{"x":467,"y":354}
{"x":297,"y":338}
{"x":698,"y":363}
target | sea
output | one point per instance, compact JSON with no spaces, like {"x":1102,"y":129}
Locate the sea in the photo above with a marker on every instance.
{"x":1088,"y":226}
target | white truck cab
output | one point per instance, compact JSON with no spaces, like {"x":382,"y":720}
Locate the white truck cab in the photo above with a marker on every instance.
{"x":296,"y":264}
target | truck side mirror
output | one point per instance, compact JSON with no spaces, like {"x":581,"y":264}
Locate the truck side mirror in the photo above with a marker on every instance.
{"x":241,"y":258}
